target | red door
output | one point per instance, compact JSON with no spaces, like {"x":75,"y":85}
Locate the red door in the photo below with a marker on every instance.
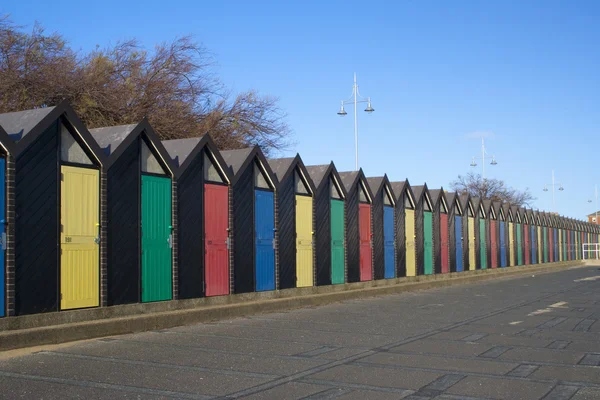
{"x":494,"y":252}
{"x":216,"y":256}
{"x":364,"y":227}
{"x":527,"y":245}
{"x":445,"y":244}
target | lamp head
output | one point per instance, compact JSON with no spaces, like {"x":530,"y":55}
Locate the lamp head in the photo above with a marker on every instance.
{"x":494,"y":162}
{"x":561,"y":188}
{"x":545,"y":188}
{"x":473,"y":163}
{"x":342,"y":112}
{"x":369,"y":109}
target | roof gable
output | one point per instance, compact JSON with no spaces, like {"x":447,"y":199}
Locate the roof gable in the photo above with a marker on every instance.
{"x":184,"y":151}
{"x":284,"y":168}
{"x":239,"y":160}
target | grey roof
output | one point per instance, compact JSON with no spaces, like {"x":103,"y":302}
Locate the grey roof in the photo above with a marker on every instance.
{"x":435,"y":195}
{"x":317,"y":172}
{"x":236,"y":158}
{"x":280,"y":166}
{"x":111,"y":137}
{"x":375,"y":183}
{"x":20,"y":123}
{"x":418,"y":191}
{"x":348,"y":178}
{"x":398,"y":187}
{"x":180,"y":149}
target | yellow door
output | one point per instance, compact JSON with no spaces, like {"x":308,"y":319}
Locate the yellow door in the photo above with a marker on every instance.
{"x":540,"y":244}
{"x":511,"y":243}
{"x":304,"y":233}
{"x":79,"y":259}
{"x":471,"y":236}
{"x":411,"y":255}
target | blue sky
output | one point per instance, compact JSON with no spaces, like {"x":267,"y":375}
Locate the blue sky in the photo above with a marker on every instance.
{"x":440,"y":74}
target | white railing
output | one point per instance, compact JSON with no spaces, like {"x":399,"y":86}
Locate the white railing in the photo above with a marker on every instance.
{"x":590,"y":251}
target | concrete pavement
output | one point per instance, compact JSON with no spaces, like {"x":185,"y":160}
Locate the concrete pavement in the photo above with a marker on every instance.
{"x":532,"y":337}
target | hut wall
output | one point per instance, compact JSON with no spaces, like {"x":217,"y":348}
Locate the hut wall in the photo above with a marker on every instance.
{"x":243,"y":232}
{"x":352,"y":239}
{"x":286,"y":206}
{"x":400,"y":239}
{"x":377,"y":224}
{"x":323,"y":233}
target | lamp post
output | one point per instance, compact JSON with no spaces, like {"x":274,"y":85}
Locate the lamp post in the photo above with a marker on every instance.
{"x":554,"y":184}
{"x":356,"y":98}
{"x":484,"y":156}
{"x":589,"y":201}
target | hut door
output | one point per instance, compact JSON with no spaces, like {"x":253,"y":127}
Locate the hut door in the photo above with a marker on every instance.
{"x":216,"y":255}
{"x":156,"y":238}
{"x":527,"y":245}
{"x":459,"y":242}
{"x":411,"y":255}
{"x":511,"y":243}
{"x":304,"y":246}
{"x":444,"y":242}
{"x":79,"y":238}
{"x":533,"y":244}
{"x":556,"y":242}
{"x":365,"y":242}
{"x":540,"y":246}
{"x":337,"y":241}
{"x":471,"y":235}
{"x":482,"y":242}
{"x":428,"y":242}
{"x":502,"y":245}
{"x":2,"y":231}
{"x":519,"y":246}
{"x":264,"y":223}
{"x":388,"y":241}
{"x":494,"y":244}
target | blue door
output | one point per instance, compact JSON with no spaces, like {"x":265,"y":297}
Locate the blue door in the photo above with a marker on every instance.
{"x":458,"y":236}
{"x":502,"y":246}
{"x":2,"y":232}
{"x":388,"y":241}
{"x":533,"y":246}
{"x":264,"y":225}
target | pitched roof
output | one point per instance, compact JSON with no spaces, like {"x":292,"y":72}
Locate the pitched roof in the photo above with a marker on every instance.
{"x":281,"y":166}
{"x":398,"y":188}
{"x":317,"y":173}
{"x":375,"y":183}
{"x":180,"y":149}
{"x":18,"y":124}
{"x":235,"y":158}
{"x":418,"y":192}
{"x":111,"y":137}
{"x":348,"y":179}
{"x":435,"y":195}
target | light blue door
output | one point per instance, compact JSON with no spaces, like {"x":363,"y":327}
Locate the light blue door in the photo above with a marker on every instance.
{"x":459,"y":246}
{"x":388,"y":241}
{"x":264,"y":223}
{"x":2,"y":232}
{"x":502,"y":245}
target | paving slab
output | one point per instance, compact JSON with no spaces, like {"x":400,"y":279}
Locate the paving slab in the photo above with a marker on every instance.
{"x":496,"y":388}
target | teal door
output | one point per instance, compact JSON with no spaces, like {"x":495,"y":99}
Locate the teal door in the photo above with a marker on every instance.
{"x":337,"y":242}
{"x":156,"y":238}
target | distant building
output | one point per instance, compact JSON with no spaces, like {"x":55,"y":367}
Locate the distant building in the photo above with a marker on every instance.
{"x":592,"y":218}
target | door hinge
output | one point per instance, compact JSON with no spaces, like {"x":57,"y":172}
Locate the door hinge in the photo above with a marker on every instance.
{"x":62,"y":176}
{"x":228,"y":243}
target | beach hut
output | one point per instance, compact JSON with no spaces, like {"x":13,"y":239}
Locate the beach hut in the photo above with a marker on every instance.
{"x":329,"y":205}
{"x":475,"y":203}
{"x":493,"y":234}
{"x":539,"y":237}
{"x":484,"y":237}
{"x":469,"y":232}
{"x":384,"y":228}
{"x":512,"y":242}
{"x":253,"y":238}
{"x":533,"y":236}
{"x":465,"y":204}
{"x":502,"y":233}
{"x":57,"y":210}
{"x":295,"y":193}
{"x":359,"y":259}
{"x":139,"y":221}
{"x":203,"y":213}
{"x":423,"y":230}
{"x":455,"y":228}
{"x":526,"y":237}
{"x":440,"y":231}
{"x":7,"y":152}
{"x":405,"y":229}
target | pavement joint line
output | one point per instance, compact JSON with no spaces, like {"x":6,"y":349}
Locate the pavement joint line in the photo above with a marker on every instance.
{"x":584,"y":326}
{"x":325,"y":382}
{"x":107,"y":386}
{"x":559,"y":344}
{"x":327,"y":394}
{"x":590,"y":359}
{"x":316,"y":352}
{"x":161,"y":365}
{"x":444,"y":382}
{"x":495,"y":352}
{"x":458,"y":397}
{"x":523,"y":370}
{"x":552,"y":323}
{"x":561,"y":392}
{"x":474,"y":337}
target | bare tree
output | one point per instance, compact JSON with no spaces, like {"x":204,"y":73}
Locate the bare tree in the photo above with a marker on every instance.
{"x":174,"y":86}
{"x":491,"y":189}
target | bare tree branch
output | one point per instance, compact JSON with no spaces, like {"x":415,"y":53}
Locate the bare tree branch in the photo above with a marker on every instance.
{"x":491,"y":189}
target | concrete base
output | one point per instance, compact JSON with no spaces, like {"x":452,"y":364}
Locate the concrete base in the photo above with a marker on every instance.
{"x":65,"y":326}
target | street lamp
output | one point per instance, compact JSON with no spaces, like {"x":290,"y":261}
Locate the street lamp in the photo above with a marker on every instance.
{"x":589,"y":201}
{"x":484,"y":156}
{"x":554,"y":184}
{"x":356,"y":98}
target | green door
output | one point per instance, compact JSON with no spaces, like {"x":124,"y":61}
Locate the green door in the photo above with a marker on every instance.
{"x":482,"y":244}
{"x":156,"y":238}
{"x":519,"y":246}
{"x":337,"y":242}
{"x":428,"y":239}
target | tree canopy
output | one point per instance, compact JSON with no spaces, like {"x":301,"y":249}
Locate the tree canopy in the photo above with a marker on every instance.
{"x":491,"y":189}
{"x":174,"y":85}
